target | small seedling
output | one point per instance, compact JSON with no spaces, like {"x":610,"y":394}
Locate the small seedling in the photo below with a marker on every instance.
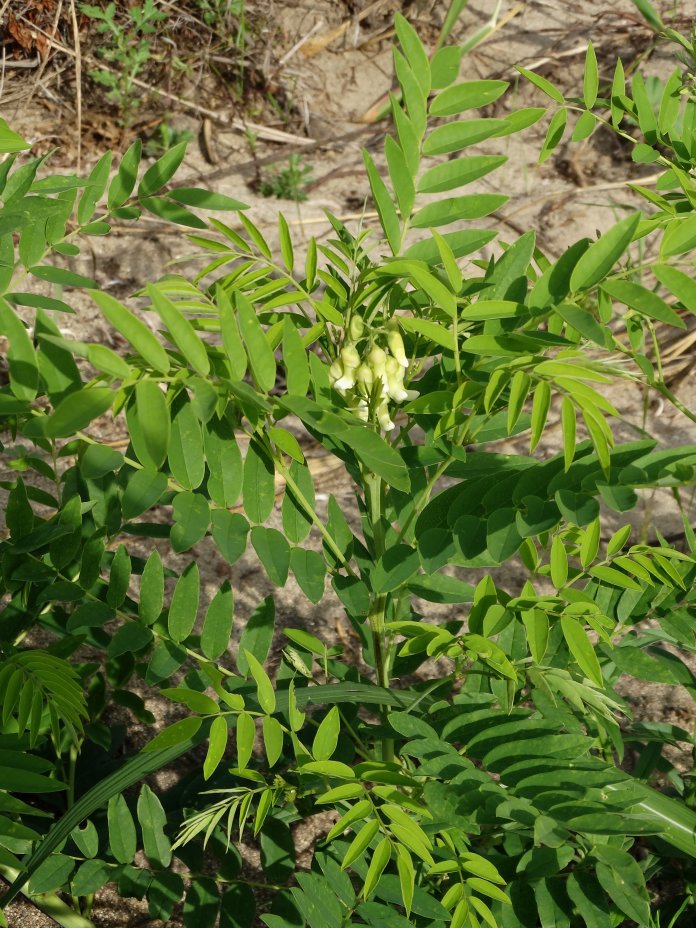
{"x":288,"y":183}
{"x":126,"y":51}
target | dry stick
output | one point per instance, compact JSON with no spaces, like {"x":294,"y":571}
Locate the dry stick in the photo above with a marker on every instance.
{"x":78,"y":81}
{"x":44,"y":63}
{"x":577,"y":191}
{"x":320,"y":43}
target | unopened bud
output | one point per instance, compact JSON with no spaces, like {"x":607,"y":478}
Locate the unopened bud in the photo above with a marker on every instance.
{"x":356,"y":328}
{"x":384,"y":418}
{"x":365,"y":378}
{"x":335,"y":372}
{"x":350,"y":357}
{"x":396,"y":345}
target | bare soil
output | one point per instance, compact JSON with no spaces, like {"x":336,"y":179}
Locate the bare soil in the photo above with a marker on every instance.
{"x":329,"y":64}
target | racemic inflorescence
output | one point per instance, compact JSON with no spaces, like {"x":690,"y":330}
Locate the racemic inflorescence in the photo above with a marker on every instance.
{"x":369,"y":374}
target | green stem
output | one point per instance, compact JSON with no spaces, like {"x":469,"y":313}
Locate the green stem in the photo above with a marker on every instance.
{"x":311,"y":512}
{"x":50,"y":904}
{"x":376,"y":615}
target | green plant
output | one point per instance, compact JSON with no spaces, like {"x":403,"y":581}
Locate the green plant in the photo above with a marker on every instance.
{"x":287,"y":183}
{"x":126,"y":52}
{"x":487,"y":792}
{"x":163,"y":138}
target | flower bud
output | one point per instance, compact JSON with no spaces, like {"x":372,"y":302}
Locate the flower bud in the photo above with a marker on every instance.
{"x":356,"y":328}
{"x":384,"y":418}
{"x":377,"y":359}
{"x":335,"y":372}
{"x":365,"y":378}
{"x":396,"y":344}
{"x":350,"y":357}
{"x":395,"y":381}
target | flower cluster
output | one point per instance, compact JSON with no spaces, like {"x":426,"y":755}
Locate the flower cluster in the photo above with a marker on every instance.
{"x":368,"y":381}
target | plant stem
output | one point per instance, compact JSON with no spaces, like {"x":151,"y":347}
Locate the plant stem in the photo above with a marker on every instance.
{"x":373,"y":492}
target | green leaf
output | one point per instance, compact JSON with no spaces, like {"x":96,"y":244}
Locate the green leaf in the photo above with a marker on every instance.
{"x":467,"y":96}
{"x":309,"y":568}
{"x":191,"y":514}
{"x":380,"y":859}
{"x":123,"y":183}
{"x":414,"y":51}
{"x":162,"y":171}
{"x":245,"y":734}
{"x":184,"y":604}
{"x":181,"y":331}
{"x":396,"y":566}
{"x":677,"y":282}
{"x":378,"y":456}
{"x":76,"y":411}
{"x":153,"y":417}
{"x":590,"y":78}
{"x":554,"y":134}
{"x":151,"y":589}
{"x":272,"y":739}
{"x":454,"y":209}
{"x":297,"y":524}
{"x":152,"y":820}
{"x":455,"y":136}
{"x":433,"y":331}
{"x":51,"y":875}
{"x":23,"y":362}
{"x":273,"y":551}
{"x":143,"y":491}
{"x":458,"y":173}
{"x":386,"y":210}
{"x":559,"y":563}
{"x":295,"y":360}
{"x":10,"y":141}
{"x":179,"y":733}
{"x":542,"y":84}
{"x":260,"y":353}
{"x":205,"y":199}
{"x":225,"y":464}
{"x":186,"y":457}
{"x":540,"y":410}
{"x":231,"y":339}
{"x":643,"y":301}
{"x":400,"y":176}
{"x":264,"y":687}
{"x":217,"y":625}
{"x":201,"y":904}
{"x":601,"y":257}
{"x":145,"y":343}
{"x":326,"y":737}
{"x":257,"y":635}
{"x":621,"y":878}
{"x":581,"y":649}
{"x":122,"y":835}
{"x":216,"y":746}
{"x":230,"y":531}
{"x":258,"y":488}
{"x":129,"y":639}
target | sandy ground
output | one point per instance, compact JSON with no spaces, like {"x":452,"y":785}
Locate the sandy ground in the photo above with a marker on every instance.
{"x":576,"y":192}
